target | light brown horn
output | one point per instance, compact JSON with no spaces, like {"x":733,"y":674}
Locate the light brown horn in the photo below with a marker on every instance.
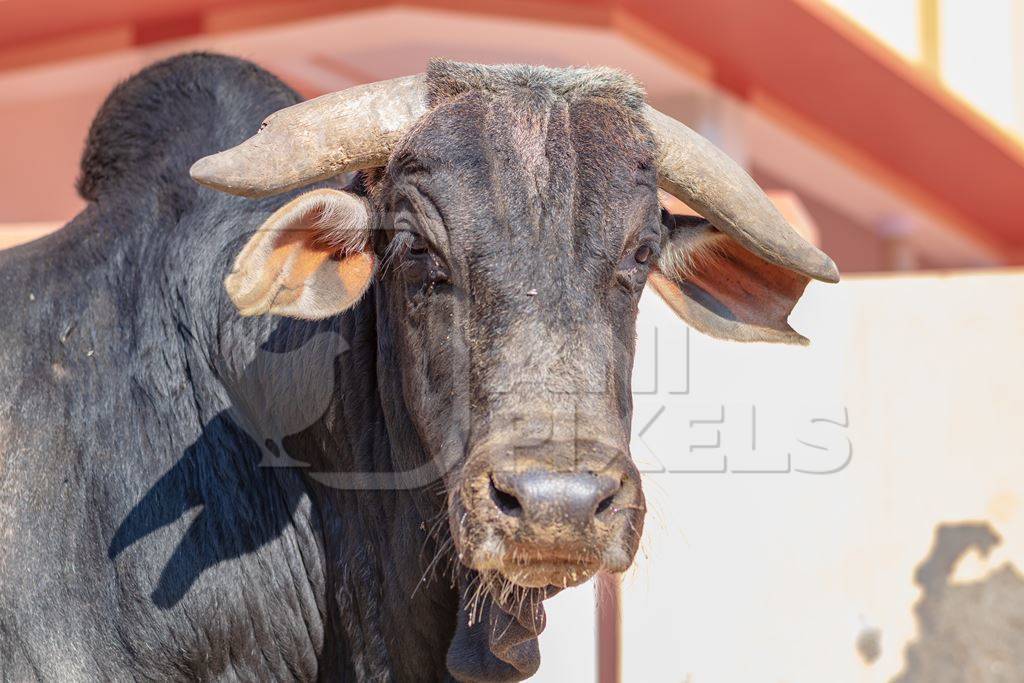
{"x":712,"y":184}
{"x":336,"y":133}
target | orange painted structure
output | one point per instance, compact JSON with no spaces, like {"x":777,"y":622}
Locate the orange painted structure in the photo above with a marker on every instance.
{"x":794,"y":60}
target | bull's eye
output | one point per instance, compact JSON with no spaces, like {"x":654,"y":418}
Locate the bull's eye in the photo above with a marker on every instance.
{"x":419,"y":264}
{"x":418,"y":246}
{"x":634,"y":266}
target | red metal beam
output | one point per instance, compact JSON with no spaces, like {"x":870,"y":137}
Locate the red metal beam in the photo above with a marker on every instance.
{"x":826,"y":71}
{"x":23,"y":22}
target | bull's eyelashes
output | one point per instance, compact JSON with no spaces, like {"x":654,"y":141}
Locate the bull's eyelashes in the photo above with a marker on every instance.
{"x":418,"y":246}
{"x":415,"y":258}
{"x":413,"y":253}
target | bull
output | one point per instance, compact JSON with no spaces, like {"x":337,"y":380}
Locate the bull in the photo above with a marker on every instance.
{"x":286,"y":429}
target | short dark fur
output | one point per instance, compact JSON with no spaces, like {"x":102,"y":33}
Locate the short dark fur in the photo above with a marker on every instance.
{"x":535,"y":187}
{"x":448,"y":79}
{"x":139,"y":535}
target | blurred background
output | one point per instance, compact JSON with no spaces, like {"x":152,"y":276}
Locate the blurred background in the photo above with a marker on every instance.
{"x":848,"y":512}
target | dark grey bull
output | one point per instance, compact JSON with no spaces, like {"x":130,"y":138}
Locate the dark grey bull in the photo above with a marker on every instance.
{"x":384,"y":478}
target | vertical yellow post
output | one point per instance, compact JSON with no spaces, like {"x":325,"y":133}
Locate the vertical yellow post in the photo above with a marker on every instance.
{"x":928,"y":30}
{"x":1017,"y":22}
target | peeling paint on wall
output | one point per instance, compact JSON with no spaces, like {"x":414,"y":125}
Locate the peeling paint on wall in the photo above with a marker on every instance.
{"x":970,"y":631}
{"x":869,"y":645}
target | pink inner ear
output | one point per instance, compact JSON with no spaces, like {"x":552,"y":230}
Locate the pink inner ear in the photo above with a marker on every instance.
{"x":355,"y":272}
{"x":727,"y":292}
{"x":311,"y":259}
{"x":754,"y":291}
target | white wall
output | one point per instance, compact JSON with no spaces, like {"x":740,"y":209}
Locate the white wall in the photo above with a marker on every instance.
{"x":773,"y":576}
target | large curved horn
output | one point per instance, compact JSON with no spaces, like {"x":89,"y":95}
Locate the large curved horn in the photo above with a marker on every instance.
{"x":709,"y":182}
{"x":323,"y":137}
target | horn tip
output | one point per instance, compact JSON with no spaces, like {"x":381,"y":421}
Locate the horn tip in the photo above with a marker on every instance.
{"x":211,"y":171}
{"x":828,"y":272}
{"x":206,"y":171}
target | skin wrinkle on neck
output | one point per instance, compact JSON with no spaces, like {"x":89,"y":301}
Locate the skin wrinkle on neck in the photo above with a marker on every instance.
{"x":355,"y":436}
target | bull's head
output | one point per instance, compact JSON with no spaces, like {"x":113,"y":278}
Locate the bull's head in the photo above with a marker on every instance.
{"x":511,"y":224}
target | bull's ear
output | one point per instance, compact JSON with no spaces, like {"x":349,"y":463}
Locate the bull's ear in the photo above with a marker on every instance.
{"x":720,"y":288}
{"x":311,"y":259}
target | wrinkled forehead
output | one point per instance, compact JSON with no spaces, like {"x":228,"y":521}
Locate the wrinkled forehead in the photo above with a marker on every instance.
{"x":532,"y":166}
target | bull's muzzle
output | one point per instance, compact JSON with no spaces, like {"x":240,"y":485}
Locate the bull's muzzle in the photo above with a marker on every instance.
{"x":543,"y":520}
{"x":551,"y":503}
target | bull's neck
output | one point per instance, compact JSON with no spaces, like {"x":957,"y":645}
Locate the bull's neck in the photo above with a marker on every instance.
{"x":326,"y":397}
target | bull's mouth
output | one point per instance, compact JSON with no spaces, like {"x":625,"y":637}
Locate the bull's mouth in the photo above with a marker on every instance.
{"x":557,"y":573}
{"x":539,"y":569}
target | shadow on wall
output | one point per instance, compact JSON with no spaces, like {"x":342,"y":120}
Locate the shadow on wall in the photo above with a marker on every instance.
{"x":968,"y":631}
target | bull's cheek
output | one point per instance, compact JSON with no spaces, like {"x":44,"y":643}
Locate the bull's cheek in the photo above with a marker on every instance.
{"x":478,"y":530}
{"x":621,"y":549}
{"x":467,"y":534}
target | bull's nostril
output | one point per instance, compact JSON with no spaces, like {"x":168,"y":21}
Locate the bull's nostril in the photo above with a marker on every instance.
{"x":505,"y":501}
{"x":604,"y":504}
